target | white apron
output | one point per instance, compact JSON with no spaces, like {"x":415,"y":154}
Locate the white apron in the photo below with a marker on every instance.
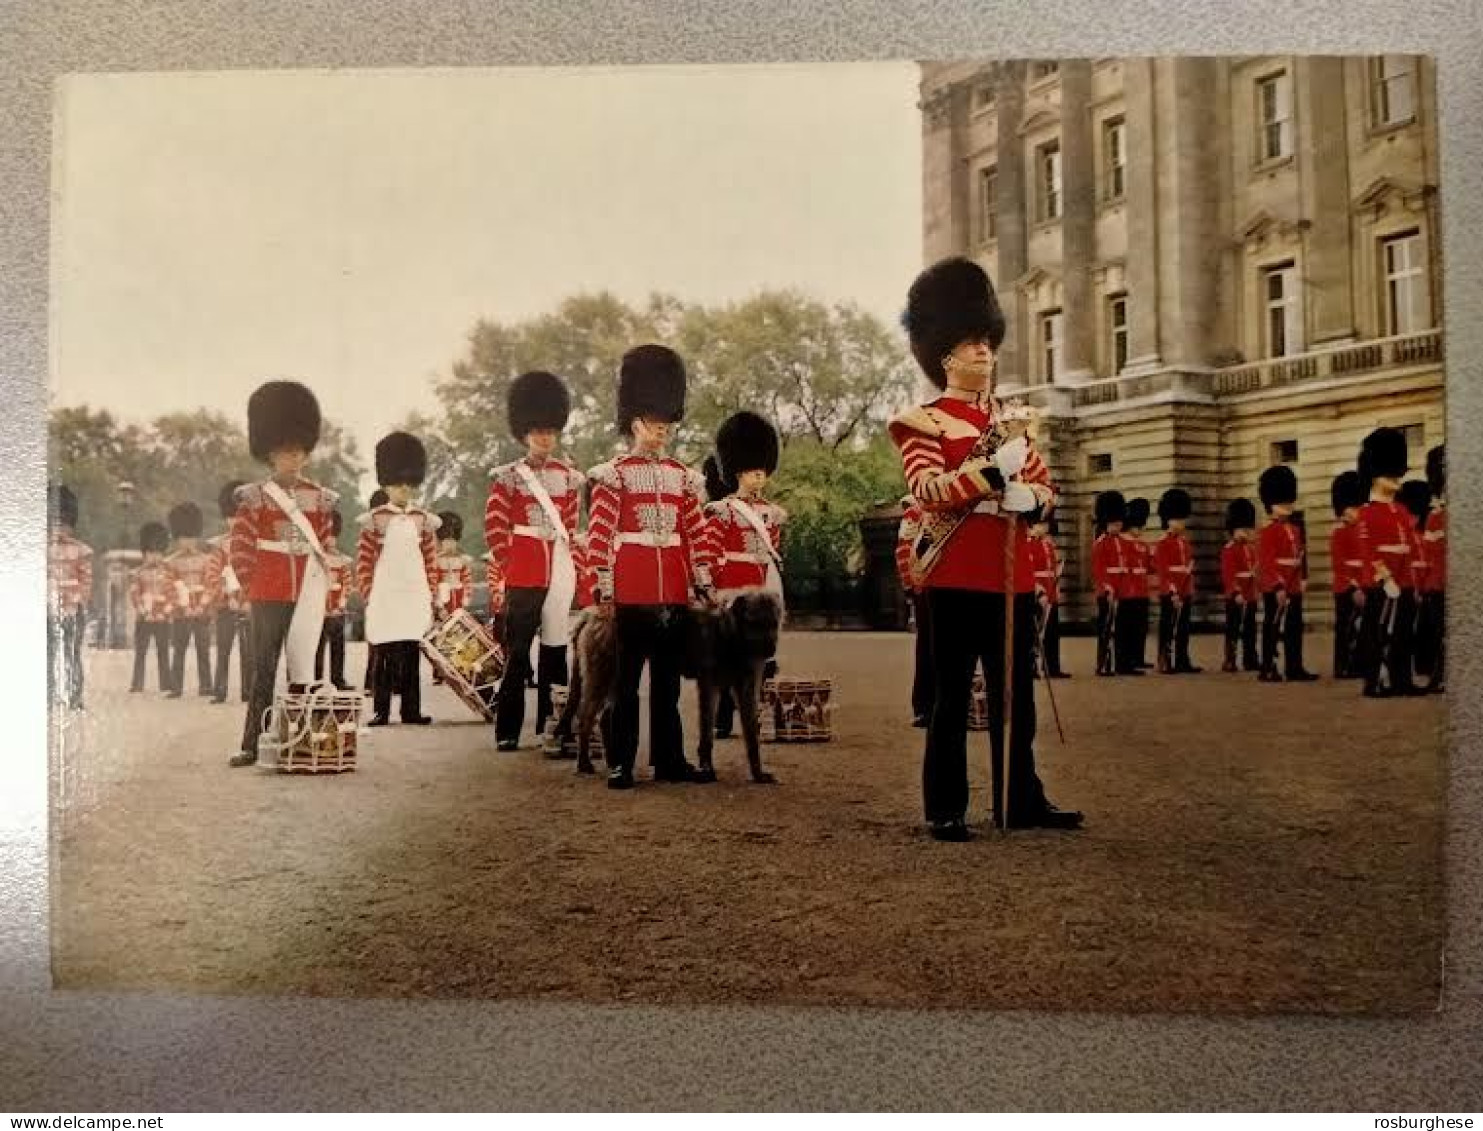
{"x":401,"y":601}
{"x":556,"y":610}
{"x":308,"y":618}
{"x":773,"y":583}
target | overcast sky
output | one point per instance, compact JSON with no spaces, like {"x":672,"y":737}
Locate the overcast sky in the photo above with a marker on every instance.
{"x":346,"y":228}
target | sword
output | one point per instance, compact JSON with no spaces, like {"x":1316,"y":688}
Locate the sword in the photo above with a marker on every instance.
{"x":1050,"y":690}
{"x":1109,"y":637}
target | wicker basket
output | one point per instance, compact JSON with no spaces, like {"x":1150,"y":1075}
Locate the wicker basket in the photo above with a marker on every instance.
{"x":311,"y":732}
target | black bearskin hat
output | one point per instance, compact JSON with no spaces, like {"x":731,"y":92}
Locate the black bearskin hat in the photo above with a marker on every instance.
{"x":1436,"y":469}
{"x":717,"y":486}
{"x":1383,"y":452}
{"x":1348,"y":490}
{"x":1174,"y":504}
{"x":64,"y":505}
{"x":452,"y":526}
{"x":337,"y":523}
{"x":226,"y":498}
{"x":1240,"y":515}
{"x":1110,"y":507}
{"x":651,"y":382}
{"x":281,"y":414}
{"x":185,"y":520}
{"x":379,"y":498}
{"x":1278,"y":486}
{"x":154,"y":538}
{"x":1416,"y":497}
{"x":746,"y":442}
{"x":950,"y":303}
{"x":537,"y":400}
{"x":400,"y":459}
{"x":1137,"y":514}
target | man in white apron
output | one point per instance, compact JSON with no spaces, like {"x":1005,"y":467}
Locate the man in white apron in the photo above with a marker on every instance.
{"x":529,"y":522}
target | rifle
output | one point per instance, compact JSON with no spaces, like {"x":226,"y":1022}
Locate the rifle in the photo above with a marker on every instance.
{"x":1044,"y":664}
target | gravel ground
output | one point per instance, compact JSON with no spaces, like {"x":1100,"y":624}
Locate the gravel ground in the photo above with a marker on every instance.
{"x":1248,"y":848}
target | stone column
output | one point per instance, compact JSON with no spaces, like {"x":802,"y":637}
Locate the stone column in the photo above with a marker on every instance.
{"x":1323,"y":156}
{"x":1014,"y":220}
{"x":938,"y":171}
{"x":1078,"y":223}
{"x":1142,"y":211}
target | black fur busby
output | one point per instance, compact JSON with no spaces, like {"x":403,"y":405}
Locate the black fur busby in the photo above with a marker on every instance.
{"x":1136,"y":517}
{"x":226,"y":498}
{"x":1110,"y":507}
{"x":1416,"y":496}
{"x":337,"y":523}
{"x":951,"y":302}
{"x":64,"y":505}
{"x":185,"y":520}
{"x":1383,"y":453}
{"x":400,"y":459}
{"x":651,"y":382}
{"x":1278,"y":486}
{"x":1348,"y":490}
{"x":1240,"y":515}
{"x":717,"y":486}
{"x":537,"y":400}
{"x":379,"y":498}
{"x":452,"y":526}
{"x":1436,"y":470}
{"x":154,"y":538}
{"x":1174,"y":505}
{"x":746,"y":442}
{"x":281,"y":414}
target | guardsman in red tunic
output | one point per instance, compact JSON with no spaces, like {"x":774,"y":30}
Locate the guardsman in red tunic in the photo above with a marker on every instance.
{"x":975,"y":483}
{"x":229,"y":600}
{"x":1135,"y":590}
{"x":1279,"y":557}
{"x":1416,"y":496}
{"x":1174,"y":558}
{"x":646,"y":538}
{"x":529,"y":522}
{"x":69,"y":593}
{"x":1347,"y":495}
{"x":744,"y":532}
{"x":1388,"y":553}
{"x":341,"y":572}
{"x":276,"y":546}
{"x":1238,"y":581}
{"x":1047,"y":566}
{"x":396,"y":569}
{"x":192,"y":567}
{"x":1433,"y":656}
{"x":1110,"y":554}
{"x":455,"y":569}
{"x":152,"y":594}
{"x":923,"y":685}
{"x":378,"y":499}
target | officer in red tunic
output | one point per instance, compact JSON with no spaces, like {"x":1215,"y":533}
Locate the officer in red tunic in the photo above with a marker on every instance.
{"x":1238,"y":581}
{"x":341,"y":572}
{"x":1135,"y":588}
{"x":1434,"y":591}
{"x":923,"y":685}
{"x":152,"y":594}
{"x":1347,"y":495}
{"x":1279,"y":555}
{"x":69,"y":593}
{"x":529,"y":522}
{"x":646,"y":539}
{"x":1110,"y":564}
{"x":1047,"y":565}
{"x":276,"y":545}
{"x":378,"y":499}
{"x":975,"y":483}
{"x":1387,"y":552}
{"x":744,"y":532}
{"x":1174,"y":559}
{"x":229,"y":602}
{"x":191,"y":564}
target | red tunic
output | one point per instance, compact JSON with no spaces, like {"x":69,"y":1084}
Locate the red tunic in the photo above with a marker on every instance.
{"x":1344,"y":559}
{"x":152,"y":592}
{"x":194,"y":589}
{"x":1138,"y":558}
{"x":1046,"y":564}
{"x":906,"y":534}
{"x":455,"y":580}
{"x":1110,"y":564}
{"x":224,"y":596}
{"x":516,"y":528}
{"x":69,"y":564}
{"x":586,"y":581}
{"x":373,"y":535}
{"x":1175,"y":559}
{"x":342,"y":584}
{"x":1419,"y":561}
{"x":1279,"y":557}
{"x":1238,"y":570}
{"x":1387,"y":549}
{"x":935,"y":441}
{"x":733,"y":544}
{"x":266,"y":550}
{"x":1436,"y":550}
{"x":646,"y":537}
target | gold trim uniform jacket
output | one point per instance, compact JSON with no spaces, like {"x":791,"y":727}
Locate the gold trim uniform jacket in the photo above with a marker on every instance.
{"x":732,"y":544}
{"x":516,"y":529}
{"x":266,"y":550}
{"x":646,"y":540}
{"x":69,"y":565}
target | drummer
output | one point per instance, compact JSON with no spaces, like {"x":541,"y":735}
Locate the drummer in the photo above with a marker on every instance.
{"x":529,"y":523}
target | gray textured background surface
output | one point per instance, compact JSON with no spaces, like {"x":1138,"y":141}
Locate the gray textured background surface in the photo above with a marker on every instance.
{"x":99,"y":1053}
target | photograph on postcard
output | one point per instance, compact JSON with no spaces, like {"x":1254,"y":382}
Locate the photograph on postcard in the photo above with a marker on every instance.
{"x":592,"y":534}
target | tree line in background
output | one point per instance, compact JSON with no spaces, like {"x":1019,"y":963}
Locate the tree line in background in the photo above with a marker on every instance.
{"x":827,"y":375}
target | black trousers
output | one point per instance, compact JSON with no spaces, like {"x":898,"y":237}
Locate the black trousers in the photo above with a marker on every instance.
{"x":519,"y":625}
{"x":1131,"y":633}
{"x":652,"y":635}
{"x":968,"y":631}
{"x":923,"y":680}
{"x":186,"y":631}
{"x":64,"y":658}
{"x":1431,"y":655}
{"x":1348,"y":618}
{"x":1051,"y":640}
{"x":370,"y":681}
{"x":1174,"y":634}
{"x":1108,"y":618}
{"x":269,"y":631}
{"x":1241,"y":633}
{"x":398,"y":672}
{"x":1138,"y":647}
{"x":1388,"y":649}
{"x":157,"y":632}
{"x":1290,"y":629}
{"x":233,"y":627}
{"x":331,"y":639}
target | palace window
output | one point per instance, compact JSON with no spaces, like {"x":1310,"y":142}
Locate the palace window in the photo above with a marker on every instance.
{"x":1407,"y":303}
{"x":1284,"y":451}
{"x":988,"y":203}
{"x":1274,"y":113}
{"x":1115,"y":158}
{"x":1099,"y":463}
{"x":1284,"y":326}
{"x":1048,"y":169}
{"x":1050,"y":345}
{"x":1117,"y":321}
{"x":1393,"y":82}
{"x":1044,"y":70}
